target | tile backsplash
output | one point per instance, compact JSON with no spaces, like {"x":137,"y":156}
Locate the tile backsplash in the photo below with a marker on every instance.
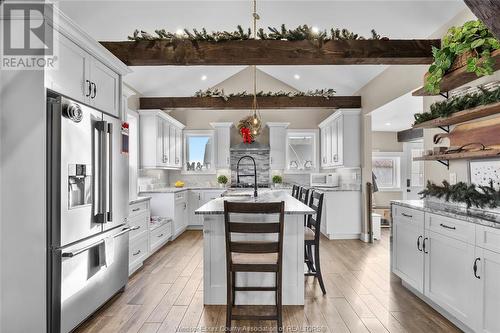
{"x":246,"y":166}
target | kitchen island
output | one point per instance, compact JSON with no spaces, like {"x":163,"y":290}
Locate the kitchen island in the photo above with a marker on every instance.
{"x":214,"y":251}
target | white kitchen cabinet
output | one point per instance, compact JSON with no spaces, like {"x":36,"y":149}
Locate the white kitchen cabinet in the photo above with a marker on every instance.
{"x":277,"y":145}
{"x":180,"y":222}
{"x":341,"y":215}
{"x":449,"y":281}
{"x":222,"y":142}
{"x":196,"y":199}
{"x":160,"y":139}
{"x":171,"y":206}
{"x":487,"y":277}
{"x":408,"y":246}
{"x":105,"y":89}
{"x":139,"y":217}
{"x":341,"y":139}
{"x":159,"y":236}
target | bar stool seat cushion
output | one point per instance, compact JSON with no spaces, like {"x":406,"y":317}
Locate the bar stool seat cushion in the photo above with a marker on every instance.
{"x":254,"y":258}
{"x":308,"y":233}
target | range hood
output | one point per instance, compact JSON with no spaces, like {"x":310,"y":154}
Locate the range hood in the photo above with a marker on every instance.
{"x":254,"y":146}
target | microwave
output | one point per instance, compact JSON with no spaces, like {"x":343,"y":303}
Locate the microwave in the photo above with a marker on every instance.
{"x":324,"y":180}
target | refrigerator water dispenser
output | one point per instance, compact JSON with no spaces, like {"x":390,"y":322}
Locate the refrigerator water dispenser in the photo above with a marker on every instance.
{"x":79,"y":185}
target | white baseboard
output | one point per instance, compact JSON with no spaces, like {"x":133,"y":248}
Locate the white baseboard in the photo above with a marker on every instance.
{"x":194,"y":227}
{"x":343,"y":236}
{"x":364,"y":237}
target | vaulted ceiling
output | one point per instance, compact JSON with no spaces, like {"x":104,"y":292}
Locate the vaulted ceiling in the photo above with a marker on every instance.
{"x":114,"y":20}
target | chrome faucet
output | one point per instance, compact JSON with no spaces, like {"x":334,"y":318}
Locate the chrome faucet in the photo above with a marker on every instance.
{"x":247,"y":175}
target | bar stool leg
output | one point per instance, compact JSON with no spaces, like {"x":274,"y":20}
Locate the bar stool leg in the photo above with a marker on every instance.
{"x":233,"y":284}
{"x":318,"y":269}
{"x":229,"y":306}
{"x":279,"y":306}
{"x":309,"y":257}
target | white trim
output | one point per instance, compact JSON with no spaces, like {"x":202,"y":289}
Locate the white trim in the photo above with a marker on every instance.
{"x":163,"y":115}
{"x":221,"y":124}
{"x":316,"y":153}
{"x":276,"y":124}
{"x":399,"y":172}
{"x":337,"y":113}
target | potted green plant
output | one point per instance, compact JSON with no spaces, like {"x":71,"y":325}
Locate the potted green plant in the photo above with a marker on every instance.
{"x":277,"y":180}
{"x":222,"y":180}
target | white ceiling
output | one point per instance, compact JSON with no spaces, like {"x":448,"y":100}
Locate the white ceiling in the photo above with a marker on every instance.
{"x":115,"y":20}
{"x":397,"y":115}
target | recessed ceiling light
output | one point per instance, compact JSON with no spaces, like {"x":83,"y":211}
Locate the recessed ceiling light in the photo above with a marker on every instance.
{"x":387,"y":124}
{"x":179,"y":32}
{"x":203,"y":77}
{"x":315,"y":29}
{"x":296,"y":76}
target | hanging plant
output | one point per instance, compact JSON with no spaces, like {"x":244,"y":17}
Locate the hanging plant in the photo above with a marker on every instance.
{"x":254,"y":130}
{"x":448,"y":107}
{"x":474,"y":39}
{"x":479,"y":196}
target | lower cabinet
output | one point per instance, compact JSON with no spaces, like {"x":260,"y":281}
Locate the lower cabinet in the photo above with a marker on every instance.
{"x":160,"y":236}
{"x":454,"y":264}
{"x":138,"y":251}
{"x":341,"y":217}
{"x":196,"y":199}
{"x":139,"y":216}
{"x":180,"y":213}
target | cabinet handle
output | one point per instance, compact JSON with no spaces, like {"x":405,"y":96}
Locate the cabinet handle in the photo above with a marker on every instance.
{"x":423,"y":245}
{"x":418,"y":243}
{"x":407,"y":215}
{"x":475,"y":268}
{"x":199,"y":196}
{"x":89,"y":88}
{"x":135,"y":209}
{"x":447,"y":226}
{"x":136,"y":253}
{"x":160,"y":235}
{"x":95,"y":90}
{"x":271,"y":159}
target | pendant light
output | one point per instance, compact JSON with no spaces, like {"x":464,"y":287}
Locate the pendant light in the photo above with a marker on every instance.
{"x":256,"y":121}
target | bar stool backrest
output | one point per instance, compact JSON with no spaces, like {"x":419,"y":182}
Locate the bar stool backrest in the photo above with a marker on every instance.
{"x":314,"y":220}
{"x":304,"y":195}
{"x":295,"y":191}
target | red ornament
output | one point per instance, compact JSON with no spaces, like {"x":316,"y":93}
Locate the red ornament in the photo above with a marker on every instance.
{"x":245,"y":133}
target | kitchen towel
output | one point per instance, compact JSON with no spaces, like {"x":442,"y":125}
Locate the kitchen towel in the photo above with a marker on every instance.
{"x":109,"y":250}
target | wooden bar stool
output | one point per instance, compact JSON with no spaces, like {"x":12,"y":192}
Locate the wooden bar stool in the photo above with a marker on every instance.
{"x":312,"y":233}
{"x":295,"y":191}
{"x":254,"y":256}
{"x":303,"y":195}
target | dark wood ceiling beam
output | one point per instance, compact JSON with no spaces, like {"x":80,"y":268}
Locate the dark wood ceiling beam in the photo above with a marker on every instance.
{"x":487,"y":11}
{"x":239,"y":103}
{"x":273,"y":52}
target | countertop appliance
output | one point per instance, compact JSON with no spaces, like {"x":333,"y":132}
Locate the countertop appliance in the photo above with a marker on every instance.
{"x":87,"y":206}
{"x":324,"y":180}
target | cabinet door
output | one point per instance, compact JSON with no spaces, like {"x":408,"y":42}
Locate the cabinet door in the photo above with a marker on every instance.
{"x":334,"y":142}
{"x":339,"y":156}
{"x":487,"y":280}
{"x":449,"y":279}
{"x":105,"y":94}
{"x":328,"y":146}
{"x":194,"y":204}
{"x":277,"y":143}
{"x":223,"y":142}
{"x":323,"y":147}
{"x":166,"y":142}
{"x":160,"y":157}
{"x":408,"y":255}
{"x":70,"y":77}
{"x":172,"y":145}
{"x":178,"y":148}
{"x":180,"y":217}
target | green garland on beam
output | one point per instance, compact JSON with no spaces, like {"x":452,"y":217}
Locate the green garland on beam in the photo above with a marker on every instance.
{"x":219,"y":93}
{"x":303,"y":32}
{"x":479,"y":196}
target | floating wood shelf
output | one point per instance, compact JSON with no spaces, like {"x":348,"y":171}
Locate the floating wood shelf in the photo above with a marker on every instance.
{"x":458,"y":77}
{"x":462,"y":116}
{"x":459,"y":156}
{"x":274,"y":52}
{"x":238,"y":103}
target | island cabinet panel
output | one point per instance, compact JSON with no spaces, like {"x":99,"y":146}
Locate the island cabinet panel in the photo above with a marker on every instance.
{"x":408,"y":242}
{"x":341,"y":215}
{"x":449,"y":279}
{"x":488,"y":291}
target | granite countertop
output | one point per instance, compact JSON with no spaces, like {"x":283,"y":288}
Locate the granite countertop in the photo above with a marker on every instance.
{"x":139,"y":199}
{"x":477,"y":216}
{"x":292,"y":205}
{"x":180,"y":189}
{"x":338,"y":189}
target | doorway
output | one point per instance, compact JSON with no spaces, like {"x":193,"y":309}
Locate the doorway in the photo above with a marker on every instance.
{"x":413,"y":174}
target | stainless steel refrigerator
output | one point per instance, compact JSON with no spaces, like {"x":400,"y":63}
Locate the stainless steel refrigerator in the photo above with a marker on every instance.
{"x":87,"y":206}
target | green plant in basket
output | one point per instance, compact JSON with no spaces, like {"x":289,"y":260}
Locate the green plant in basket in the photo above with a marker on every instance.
{"x":222,"y":179}
{"x":473,"y":37}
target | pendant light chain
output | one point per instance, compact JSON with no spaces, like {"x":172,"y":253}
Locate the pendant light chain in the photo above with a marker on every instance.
{"x":256,"y":113}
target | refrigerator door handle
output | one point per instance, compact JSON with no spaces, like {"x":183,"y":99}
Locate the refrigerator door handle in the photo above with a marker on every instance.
{"x":101,"y":183}
{"x":110,"y":175}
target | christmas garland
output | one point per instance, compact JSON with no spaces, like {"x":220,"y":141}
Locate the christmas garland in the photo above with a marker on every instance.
{"x":479,"y":196}
{"x":303,"y":32}
{"x":219,"y":93}
{"x":448,"y":107}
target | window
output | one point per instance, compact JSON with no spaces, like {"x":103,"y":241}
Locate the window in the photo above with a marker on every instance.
{"x":199,"y":151}
{"x":301,"y":151}
{"x":387,"y":170}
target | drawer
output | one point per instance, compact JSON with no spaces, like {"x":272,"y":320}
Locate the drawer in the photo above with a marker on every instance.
{"x":138,"y":208}
{"x":160,"y":236}
{"x":138,"y":252}
{"x":408,"y":215}
{"x":141,"y":221}
{"x":451,"y":227}
{"x":181,"y":196}
{"x":488,"y":238}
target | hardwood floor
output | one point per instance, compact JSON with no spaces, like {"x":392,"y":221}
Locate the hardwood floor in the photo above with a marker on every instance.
{"x":166,"y":295}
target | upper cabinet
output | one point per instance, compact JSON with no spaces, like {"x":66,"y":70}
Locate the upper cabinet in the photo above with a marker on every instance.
{"x":277,"y":145}
{"x":88,"y":74}
{"x":160,"y":140}
{"x":341,"y":140}
{"x":222,"y":142}
{"x":301,"y":151}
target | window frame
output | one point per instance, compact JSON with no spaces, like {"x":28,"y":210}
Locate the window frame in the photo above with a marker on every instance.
{"x":191,"y":133}
{"x":398,"y":172}
{"x":302,"y":132}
